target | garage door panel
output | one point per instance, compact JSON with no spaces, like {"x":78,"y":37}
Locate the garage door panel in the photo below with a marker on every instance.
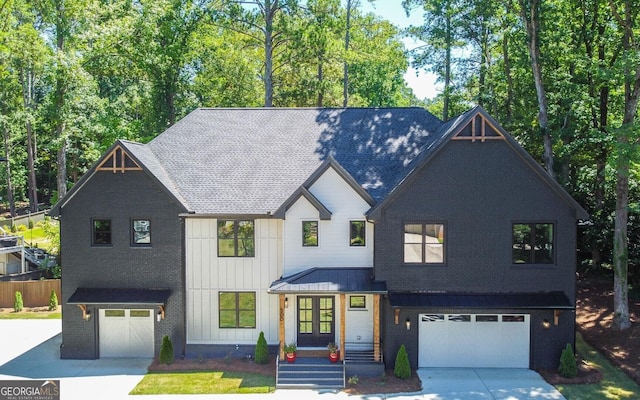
{"x":468,"y":340}
{"x":126,"y":333}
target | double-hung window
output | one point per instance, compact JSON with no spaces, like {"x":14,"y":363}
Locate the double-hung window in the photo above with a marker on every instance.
{"x":236,"y":238}
{"x":101,"y":232}
{"x":532,"y":243}
{"x":424,"y":243}
{"x":310,"y":233}
{"x":357,"y":233}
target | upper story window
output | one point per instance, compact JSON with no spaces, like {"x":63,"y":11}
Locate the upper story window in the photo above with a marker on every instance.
{"x":424,"y":243}
{"x":140,"y":232}
{"x":357,"y":231}
{"x":533,"y":243}
{"x":310,"y":233}
{"x":101,"y":232}
{"x":236,"y":238}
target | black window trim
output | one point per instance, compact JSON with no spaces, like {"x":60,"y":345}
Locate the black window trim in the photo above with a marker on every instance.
{"x":364,"y":236}
{"x":93,"y":232}
{"x":237,"y":309}
{"x":132,"y":242}
{"x":305,"y":221}
{"x":236,"y":225}
{"x":364,"y":305}
{"x":444,"y":244}
{"x":554,"y":241}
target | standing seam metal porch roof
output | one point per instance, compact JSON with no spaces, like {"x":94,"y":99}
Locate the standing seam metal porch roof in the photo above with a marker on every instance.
{"x":330,"y":280}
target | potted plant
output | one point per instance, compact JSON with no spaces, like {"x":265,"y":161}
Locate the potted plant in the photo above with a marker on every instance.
{"x":290,"y":352}
{"x":334,"y":353}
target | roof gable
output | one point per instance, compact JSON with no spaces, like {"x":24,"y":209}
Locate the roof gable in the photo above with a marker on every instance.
{"x":475,"y":125}
{"x":118,"y":160}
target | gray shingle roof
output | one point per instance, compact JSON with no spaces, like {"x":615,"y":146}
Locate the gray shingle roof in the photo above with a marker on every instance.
{"x":323,"y":280}
{"x":249,"y":161}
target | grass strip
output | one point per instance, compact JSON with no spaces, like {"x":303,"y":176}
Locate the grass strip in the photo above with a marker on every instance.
{"x":204,"y":382}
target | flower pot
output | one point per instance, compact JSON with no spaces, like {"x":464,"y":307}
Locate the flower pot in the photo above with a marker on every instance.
{"x":334,"y":357}
{"x":291,"y":357}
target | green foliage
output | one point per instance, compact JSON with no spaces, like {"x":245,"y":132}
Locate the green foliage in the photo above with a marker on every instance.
{"x":262,"y":350}
{"x":53,"y":301}
{"x":18,"y":305}
{"x":290,"y":348}
{"x":166,"y":351}
{"x":402,"y":367}
{"x":568,"y":365}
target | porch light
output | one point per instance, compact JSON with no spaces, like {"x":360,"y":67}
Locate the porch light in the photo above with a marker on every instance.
{"x":546,"y":324}
{"x":160,"y":313}
{"x":408,"y":324}
{"x":286,"y":302}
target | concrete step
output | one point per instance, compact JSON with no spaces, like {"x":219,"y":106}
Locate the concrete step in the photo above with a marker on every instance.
{"x":310,"y":373}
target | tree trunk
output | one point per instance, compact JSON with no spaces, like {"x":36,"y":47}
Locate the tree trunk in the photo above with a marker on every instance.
{"x":447,"y":68}
{"x":531,"y":19}
{"x":26,"y":81}
{"x":59,"y":99}
{"x":10,"y":199}
{"x":507,"y":73}
{"x":320,"y":99}
{"x":269,"y":13}
{"x":625,"y":147}
{"x":345,"y":78}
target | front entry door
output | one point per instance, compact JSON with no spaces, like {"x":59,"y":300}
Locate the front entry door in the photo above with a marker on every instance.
{"x":316,"y":327}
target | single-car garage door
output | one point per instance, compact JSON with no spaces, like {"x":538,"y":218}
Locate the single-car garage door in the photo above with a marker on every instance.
{"x":474,"y":340}
{"x":126,"y":333}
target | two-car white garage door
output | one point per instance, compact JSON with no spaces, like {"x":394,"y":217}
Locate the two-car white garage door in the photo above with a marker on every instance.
{"x":474,"y":340}
{"x":126,"y":333}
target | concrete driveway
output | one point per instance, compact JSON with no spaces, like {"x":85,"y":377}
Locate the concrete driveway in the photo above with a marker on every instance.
{"x":30,"y":349}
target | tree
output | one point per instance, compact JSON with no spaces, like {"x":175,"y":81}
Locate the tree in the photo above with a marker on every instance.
{"x":166,"y":351}
{"x":402,"y":368}
{"x":262,"y":350}
{"x":626,"y":16}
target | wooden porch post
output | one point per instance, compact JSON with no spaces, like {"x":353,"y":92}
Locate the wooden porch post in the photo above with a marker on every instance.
{"x":343,"y":318}
{"x":281,"y":326}
{"x":376,"y":327}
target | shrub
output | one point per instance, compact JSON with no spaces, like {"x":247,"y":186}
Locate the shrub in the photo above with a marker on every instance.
{"x":53,"y":301}
{"x":568,"y":365}
{"x":262,"y":351}
{"x":30,"y":223}
{"x":402,"y":368}
{"x":166,"y":351}
{"x":18,"y":305}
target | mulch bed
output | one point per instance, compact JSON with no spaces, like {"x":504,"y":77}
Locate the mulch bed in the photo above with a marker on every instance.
{"x":586,"y":374}
{"x":594,"y":316}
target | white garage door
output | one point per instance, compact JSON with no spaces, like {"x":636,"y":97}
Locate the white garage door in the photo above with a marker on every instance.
{"x":126,"y":333}
{"x":474,"y":340}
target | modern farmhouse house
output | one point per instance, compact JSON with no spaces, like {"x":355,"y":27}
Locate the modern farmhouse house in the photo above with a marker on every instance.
{"x":367,"y":227}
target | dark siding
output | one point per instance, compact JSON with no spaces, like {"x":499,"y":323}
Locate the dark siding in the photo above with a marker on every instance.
{"x":120,"y":197}
{"x":478,"y":190}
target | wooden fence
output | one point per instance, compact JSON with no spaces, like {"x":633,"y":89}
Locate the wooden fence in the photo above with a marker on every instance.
{"x":34,"y":293}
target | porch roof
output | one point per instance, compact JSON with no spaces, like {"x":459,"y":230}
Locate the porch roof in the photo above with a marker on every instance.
{"x":330,"y":280}
{"x":119,"y":296}
{"x":537,"y":300}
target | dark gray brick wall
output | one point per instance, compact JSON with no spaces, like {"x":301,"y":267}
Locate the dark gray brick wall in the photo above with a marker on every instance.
{"x":478,"y":190}
{"x":120,"y":197}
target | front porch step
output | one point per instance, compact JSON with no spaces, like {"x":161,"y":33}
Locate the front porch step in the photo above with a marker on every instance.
{"x":310,"y":373}
{"x":359,"y":356}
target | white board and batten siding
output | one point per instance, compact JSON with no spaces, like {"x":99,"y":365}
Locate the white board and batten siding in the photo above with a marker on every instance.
{"x":333,"y":249}
{"x":207,"y":275}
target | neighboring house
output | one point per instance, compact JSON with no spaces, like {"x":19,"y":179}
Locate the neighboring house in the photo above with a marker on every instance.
{"x":368,"y":227}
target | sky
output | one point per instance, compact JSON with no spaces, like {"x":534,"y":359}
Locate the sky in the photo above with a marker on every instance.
{"x":422,"y":83}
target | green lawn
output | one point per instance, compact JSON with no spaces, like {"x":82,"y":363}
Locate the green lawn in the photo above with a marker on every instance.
{"x":204,"y":382}
{"x":614,"y":385}
{"x":30,"y":315}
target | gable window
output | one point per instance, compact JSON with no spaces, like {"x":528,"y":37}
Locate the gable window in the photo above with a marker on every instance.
{"x":310,"y":233}
{"x":140,"y":232}
{"x":424,"y":243}
{"x":236,"y":238}
{"x":357,"y":231}
{"x":101,"y":232}
{"x":237,"y":309}
{"x":533,"y":243}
